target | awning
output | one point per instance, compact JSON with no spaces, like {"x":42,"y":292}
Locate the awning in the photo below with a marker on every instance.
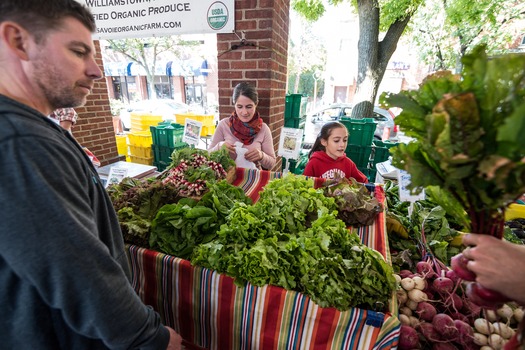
{"x":171,"y":68}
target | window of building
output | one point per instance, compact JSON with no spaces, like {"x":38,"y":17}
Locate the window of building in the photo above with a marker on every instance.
{"x":163,"y":87}
{"x":124,"y":88}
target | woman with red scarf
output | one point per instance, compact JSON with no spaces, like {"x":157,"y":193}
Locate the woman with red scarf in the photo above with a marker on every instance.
{"x":245,"y":135}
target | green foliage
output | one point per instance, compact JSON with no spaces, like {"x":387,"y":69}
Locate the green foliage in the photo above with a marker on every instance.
{"x":467,"y":132}
{"x":447,"y":30}
{"x":292,"y":238}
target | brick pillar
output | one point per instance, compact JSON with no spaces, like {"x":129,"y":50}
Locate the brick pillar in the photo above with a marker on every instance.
{"x":94,"y":128}
{"x":262,"y":61}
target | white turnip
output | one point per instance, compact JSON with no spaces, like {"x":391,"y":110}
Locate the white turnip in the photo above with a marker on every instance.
{"x":483,"y":326}
{"x":502,"y":329}
{"x":411,"y":304}
{"x":505,"y":312}
{"x":496,"y":341}
{"x":404,"y":319}
{"x":419,"y":283}
{"x":408,"y":338}
{"x":402,"y":296}
{"x":405,"y":310}
{"x":518,"y":314}
{"x":480,"y":339}
{"x":417,"y":295}
{"x":408,"y":284}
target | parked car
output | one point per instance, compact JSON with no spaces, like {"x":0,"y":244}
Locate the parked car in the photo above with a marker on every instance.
{"x":165,"y":107}
{"x":333,"y":112}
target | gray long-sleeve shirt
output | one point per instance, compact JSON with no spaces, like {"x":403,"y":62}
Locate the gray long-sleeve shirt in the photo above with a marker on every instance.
{"x":64,"y":275}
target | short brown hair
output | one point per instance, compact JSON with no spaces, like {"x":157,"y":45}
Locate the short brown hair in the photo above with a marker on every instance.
{"x":40,"y":16}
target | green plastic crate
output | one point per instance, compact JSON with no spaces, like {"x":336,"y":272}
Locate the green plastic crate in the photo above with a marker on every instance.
{"x":381,"y":151}
{"x":369,"y":173}
{"x":295,"y":106}
{"x":360,"y":131}
{"x":297,"y":123}
{"x":167,"y":135}
{"x":360,"y":155}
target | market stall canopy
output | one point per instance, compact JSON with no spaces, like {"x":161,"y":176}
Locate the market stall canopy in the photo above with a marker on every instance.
{"x":193,"y":67}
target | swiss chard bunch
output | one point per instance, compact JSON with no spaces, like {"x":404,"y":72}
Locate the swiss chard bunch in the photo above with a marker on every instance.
{"x":468,"y":132}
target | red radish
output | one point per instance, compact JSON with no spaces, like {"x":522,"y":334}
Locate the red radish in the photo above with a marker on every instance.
{"x":429,"y":332}
{"x":408,"y":338}
{"x":459,"y":266}
{"x":452,"y":275}
{"x":485,"y":297}
{"x":459,"y":316}
{"x":471,"y":310}
{"x":444,"y":325}
{"x":444,"y":346}
{"x":454,"y":302}
{"x":405,"y":273}
{"x":466,"y":333}
{"x":426,"y":311}
{"x":443,"y":285}
{"x":424,"y":268}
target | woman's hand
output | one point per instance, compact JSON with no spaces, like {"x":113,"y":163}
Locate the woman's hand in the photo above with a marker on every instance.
{"x":231,"y":149}
{"x":254,"y":155}
{"x":499,"y":265}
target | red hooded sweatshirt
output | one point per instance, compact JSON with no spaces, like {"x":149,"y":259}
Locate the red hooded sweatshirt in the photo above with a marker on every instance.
{"x":322,"y":165}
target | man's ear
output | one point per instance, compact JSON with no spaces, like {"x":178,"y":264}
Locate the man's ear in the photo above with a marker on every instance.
{"x":15,"y":38}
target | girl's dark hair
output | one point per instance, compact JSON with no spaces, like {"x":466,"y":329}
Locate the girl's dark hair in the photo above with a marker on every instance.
{"x":324,"y":134}
{"x":247,"y":90}
{"x":38,"y":17}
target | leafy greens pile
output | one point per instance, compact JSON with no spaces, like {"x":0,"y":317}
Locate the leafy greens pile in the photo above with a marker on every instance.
{"x":292,"y":238}
{"x":355,"y":205}
{"x":178,"y":228}
{"x":468,"y":133}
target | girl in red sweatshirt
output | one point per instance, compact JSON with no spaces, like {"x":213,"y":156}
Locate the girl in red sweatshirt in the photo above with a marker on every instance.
{"x":328,"y":158}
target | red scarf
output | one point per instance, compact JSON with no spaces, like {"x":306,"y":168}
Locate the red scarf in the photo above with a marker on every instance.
{"x":245,"y":131}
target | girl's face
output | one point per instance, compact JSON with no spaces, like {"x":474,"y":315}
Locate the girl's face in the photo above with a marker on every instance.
{"x":335,"y":146}
{"x":245,"y":108}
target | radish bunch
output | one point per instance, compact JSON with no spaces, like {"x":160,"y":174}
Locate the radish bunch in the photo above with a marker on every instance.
{"x":436,"y":313}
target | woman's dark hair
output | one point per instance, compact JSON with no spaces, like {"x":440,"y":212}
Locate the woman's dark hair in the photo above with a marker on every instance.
{"x":40,"y":16}
{"x":324,"y":134}
{"x":247,"y":90}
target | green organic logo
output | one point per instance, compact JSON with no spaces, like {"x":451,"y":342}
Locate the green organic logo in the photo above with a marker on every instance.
{"x":217,"y":15}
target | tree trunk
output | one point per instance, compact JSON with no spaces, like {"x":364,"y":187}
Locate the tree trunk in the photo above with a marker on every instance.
{"x":373,"y":55}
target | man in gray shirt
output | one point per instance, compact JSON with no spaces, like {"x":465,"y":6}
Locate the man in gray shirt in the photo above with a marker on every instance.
{"x":64,"y":274}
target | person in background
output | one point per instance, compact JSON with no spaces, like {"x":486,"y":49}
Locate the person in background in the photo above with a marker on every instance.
{"x":245,"y":126}
{"x":327,"y":158}
{"x":64,"y":272}
{"x":66,"y":117}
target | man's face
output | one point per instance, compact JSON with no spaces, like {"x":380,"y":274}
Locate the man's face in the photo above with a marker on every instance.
{"x":64,"y":67}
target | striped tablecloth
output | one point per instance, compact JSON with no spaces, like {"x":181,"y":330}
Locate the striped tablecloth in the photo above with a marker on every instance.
{"x":211,"y":312}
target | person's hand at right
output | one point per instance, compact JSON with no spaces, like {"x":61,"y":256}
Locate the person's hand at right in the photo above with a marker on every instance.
{"x":175,"y":340}
{"x":499,"y":265}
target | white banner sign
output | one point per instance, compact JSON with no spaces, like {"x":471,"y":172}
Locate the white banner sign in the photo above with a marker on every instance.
{"x":119,"y":19}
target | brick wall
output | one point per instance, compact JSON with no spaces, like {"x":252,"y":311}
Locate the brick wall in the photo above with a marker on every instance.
{"x":94,"y":128}
{"x":262,"y":61}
